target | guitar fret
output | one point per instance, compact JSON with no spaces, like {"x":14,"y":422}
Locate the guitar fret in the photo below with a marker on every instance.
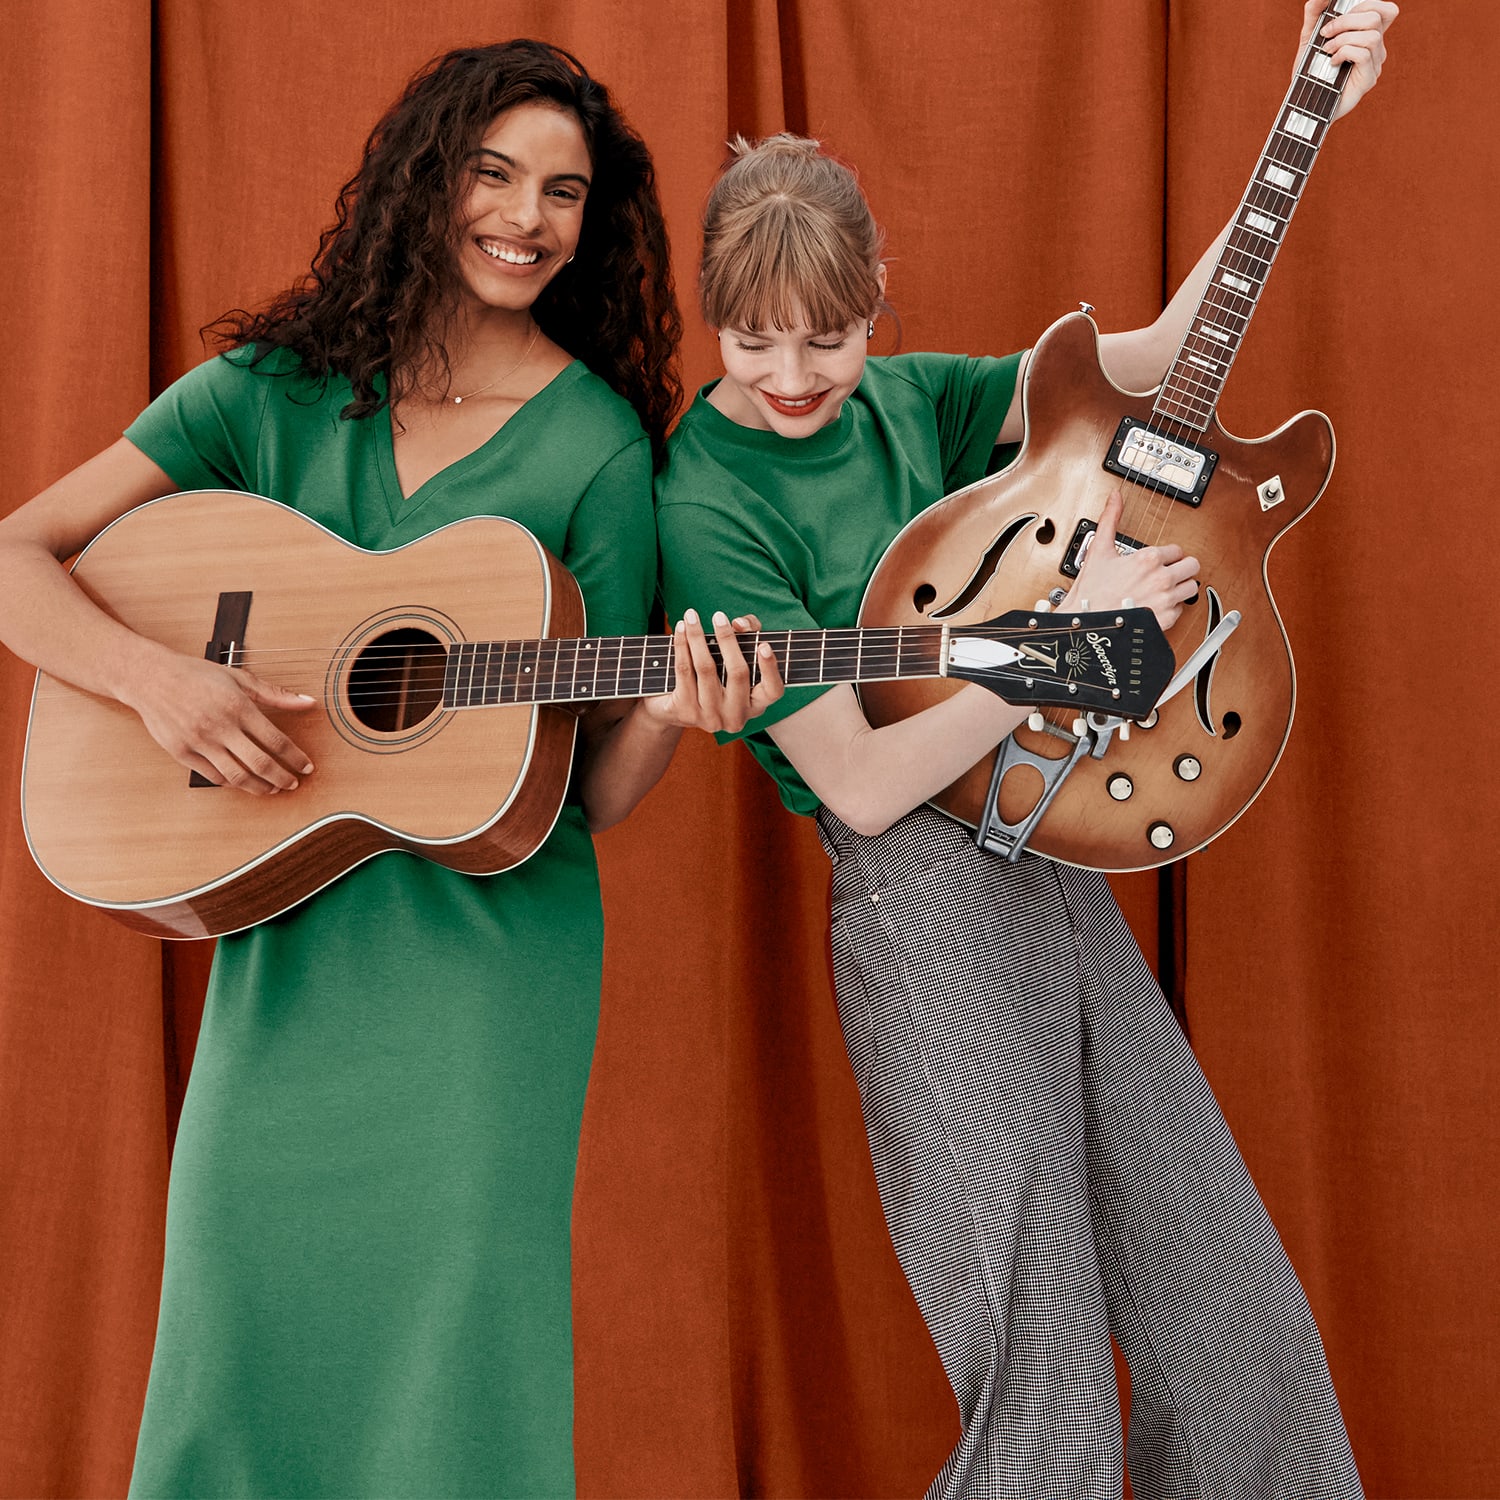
{"x":547,"y":674}
{"x":450,"y":678}
{"x":526,"y":672}
{"x":663,"y":667}
{"x":486,"y":690}
{"x":1325,"y":72}
{"x":619,"y":654}
{"x":468,"y":665}
{"x":1254,"y":244}
{"x":570,"y":693}
{"x":590,"y":691}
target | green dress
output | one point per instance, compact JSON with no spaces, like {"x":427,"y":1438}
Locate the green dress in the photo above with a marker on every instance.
{"x":367,"y":1281}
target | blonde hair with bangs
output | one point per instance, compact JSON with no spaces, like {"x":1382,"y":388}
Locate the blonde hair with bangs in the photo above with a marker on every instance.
{"x":788,"y":235}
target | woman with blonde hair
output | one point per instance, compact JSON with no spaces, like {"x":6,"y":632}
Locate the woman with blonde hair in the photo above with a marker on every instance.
{"x":1052,"y":1164}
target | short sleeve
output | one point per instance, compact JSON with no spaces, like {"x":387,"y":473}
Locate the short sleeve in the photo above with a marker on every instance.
{"x":971,"y":397}
{"x":611,"y":544}
{"x":711,"y":562}
{"x":203,"y":429}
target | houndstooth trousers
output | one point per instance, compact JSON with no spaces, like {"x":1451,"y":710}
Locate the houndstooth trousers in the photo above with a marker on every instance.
{"x":1054,"y":1169}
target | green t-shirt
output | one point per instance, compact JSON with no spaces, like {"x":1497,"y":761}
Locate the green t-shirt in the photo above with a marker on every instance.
{"x":572,"y":466}
{"x":791,"y":529}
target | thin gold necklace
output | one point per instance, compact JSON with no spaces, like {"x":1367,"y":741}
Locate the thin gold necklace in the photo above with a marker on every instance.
{"x":536,"y":329}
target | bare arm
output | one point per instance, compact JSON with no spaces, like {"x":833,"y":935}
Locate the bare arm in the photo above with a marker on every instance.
{"x":1137,"y":360}
{"x":628,"y":743}
{"x":207,"y":716}
{"x":869,"y":778}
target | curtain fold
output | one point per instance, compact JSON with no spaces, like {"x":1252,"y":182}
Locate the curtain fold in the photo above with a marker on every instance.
{"x":742,"y":1326}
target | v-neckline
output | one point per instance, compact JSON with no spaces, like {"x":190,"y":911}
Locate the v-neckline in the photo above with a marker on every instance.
{"x":402,"y":506}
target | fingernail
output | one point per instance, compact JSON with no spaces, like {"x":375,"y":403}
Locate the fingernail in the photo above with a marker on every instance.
{"x":691,"y":616}
{"x":679,"y":627}
{"x":307,"y":769}
{"x":294,"y":785}
{"x":763,"y":650}
{"x":307,"y":697}
{"x":720,"y":618}
{"x":741,"y":624}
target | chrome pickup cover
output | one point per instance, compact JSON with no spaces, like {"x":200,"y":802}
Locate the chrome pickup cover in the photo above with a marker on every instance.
{"x":1170,"y":466}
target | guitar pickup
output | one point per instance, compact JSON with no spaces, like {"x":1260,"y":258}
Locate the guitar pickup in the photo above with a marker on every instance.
{"x":1169,"y":466}
{"x":1083,"y":539}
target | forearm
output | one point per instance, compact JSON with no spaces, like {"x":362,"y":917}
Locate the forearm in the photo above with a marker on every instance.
{"x":47,"y":620}
{"x":870,"y":777}
{"x":623,"y":761}
{"x":1138,"y":360}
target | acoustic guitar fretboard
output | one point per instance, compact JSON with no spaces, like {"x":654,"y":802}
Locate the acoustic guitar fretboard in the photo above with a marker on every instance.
{"x":633,"y":666}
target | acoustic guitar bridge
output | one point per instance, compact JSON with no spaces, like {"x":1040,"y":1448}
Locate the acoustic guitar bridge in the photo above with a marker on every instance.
{"x":230,"y":622}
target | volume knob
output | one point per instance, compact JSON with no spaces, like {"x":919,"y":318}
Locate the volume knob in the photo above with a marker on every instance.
{"x":1162,"y":835}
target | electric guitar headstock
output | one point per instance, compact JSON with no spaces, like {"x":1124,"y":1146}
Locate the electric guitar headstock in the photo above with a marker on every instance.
{"x":1109,"y":661}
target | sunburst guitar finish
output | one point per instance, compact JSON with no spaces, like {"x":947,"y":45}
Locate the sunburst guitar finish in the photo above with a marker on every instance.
{"x":1014,"y":537}
{"x":1017,"y":539}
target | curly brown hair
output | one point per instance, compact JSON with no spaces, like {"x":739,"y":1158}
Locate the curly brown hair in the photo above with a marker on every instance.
{"x":385,"y":275}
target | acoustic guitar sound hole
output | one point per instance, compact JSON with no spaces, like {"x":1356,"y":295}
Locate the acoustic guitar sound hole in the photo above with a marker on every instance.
{"x":397,"y":680}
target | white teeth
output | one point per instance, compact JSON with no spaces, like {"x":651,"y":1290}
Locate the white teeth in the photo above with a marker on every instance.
{"x":800,"y":401}
{"x":511,"y":257}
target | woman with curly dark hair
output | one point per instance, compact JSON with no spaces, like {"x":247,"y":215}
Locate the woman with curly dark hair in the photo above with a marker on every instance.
{"x":367,"y":1276}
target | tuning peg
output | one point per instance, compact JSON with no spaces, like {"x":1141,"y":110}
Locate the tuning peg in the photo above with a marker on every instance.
{"x":1124,"y":730}
{"x":1041,"y":606}
{"x":1035,"y":721}
{"x":1127,"y":603}
{"x":1080,"y":725}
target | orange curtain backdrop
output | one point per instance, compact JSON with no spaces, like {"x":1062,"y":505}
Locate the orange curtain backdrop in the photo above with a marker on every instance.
{"x":741,"y":1324}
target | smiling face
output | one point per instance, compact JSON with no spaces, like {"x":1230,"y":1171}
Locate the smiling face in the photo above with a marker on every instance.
{"x":792,"y":381}
{"x":522,"y":213}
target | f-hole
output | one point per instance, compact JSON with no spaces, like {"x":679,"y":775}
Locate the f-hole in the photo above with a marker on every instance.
{"x":988,"y":566}
{"x":397,"y":680}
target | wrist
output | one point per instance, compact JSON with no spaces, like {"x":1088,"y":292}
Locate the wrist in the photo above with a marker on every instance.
{"x":138,"y":666}
{"x":655,"y":716}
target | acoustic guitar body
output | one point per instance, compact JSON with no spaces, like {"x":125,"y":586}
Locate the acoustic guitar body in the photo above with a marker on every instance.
{"x":1011,"y":539}
{"x":112,"y":819}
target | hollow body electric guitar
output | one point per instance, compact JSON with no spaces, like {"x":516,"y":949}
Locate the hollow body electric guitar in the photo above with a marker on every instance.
{"x":1074,"y":786}
{"x":437,"y":669}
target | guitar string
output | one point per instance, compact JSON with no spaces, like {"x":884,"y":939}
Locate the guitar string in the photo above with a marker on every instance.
{"x":882,"y":652}
{"x":1249,"y":252}
{"x":1245,"y":248}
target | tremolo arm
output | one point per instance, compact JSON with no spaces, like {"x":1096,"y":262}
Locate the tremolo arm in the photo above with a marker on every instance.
{"x":1091,"y":738}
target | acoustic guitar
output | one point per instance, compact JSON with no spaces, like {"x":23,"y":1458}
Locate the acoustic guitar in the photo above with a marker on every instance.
{"x":1077,"y":789}
{"x":438,"y":669}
